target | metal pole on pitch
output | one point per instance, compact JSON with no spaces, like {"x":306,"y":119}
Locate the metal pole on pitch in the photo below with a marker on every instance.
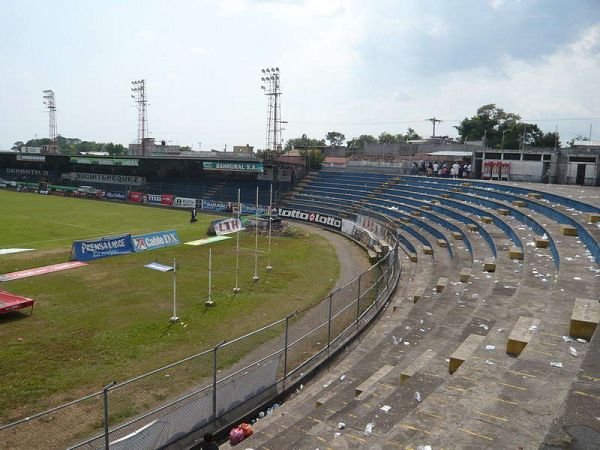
{"x":174,"y":318}
{"x":269,"y":267}
{"x":255,"y":277}
{"x":105,"y":390}
{"x":209,"y":302}
{"x":237,"y":248}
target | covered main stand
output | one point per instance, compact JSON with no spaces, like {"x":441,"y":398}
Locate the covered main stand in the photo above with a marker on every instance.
{"x":11,"y":302}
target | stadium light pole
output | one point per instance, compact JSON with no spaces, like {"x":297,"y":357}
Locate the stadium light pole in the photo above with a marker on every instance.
{"x":174,"y":318}
{"x":209,"y":302}
{"x":255,"y":277}
{"x":269,"y":267}
{"x":237,"y":289}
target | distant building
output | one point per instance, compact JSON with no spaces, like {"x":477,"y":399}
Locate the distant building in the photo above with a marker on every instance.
{"x":243,"y":149}
{"x":150,"y":148}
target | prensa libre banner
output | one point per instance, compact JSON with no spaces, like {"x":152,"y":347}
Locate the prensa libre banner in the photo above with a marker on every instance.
{"x":101,"y":248}
{"x":151,"y":241}
{"x":312,"y":217}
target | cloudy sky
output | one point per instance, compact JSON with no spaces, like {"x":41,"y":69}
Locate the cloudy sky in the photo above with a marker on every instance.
{"x":354,"y":66}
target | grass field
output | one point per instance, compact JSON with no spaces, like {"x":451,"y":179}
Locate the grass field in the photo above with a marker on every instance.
{"x":109,"y":320}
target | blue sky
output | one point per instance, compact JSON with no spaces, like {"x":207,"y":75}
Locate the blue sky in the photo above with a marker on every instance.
{"x":346,"y":65}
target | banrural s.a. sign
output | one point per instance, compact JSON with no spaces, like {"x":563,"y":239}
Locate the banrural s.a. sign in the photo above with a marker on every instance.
{"x":152,"y":241}
{"x":233,"y":166}
{"x":101,"y":248}
{"x":322,"y":219}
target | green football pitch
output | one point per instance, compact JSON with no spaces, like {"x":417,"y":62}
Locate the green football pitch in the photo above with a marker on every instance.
{"x":109,"y":320}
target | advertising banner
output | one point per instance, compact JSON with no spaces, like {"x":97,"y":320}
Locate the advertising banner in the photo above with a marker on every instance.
{"x":284,"y":174}
{"x":152,"y":199}
{"x":248,"y":208}
{"x":225,"y":226}
{"x":183,"y":202}
{"x":36,"y":158}
{"x":104,"y":161}
{"x":167,"y":199}
{"x":105,"y":178}
{"x":14,"y":171}
{"x":267,"y":174}
{"x":312,"y":217}
{"x":212,"y":205}
{"x":233,"y":166}
{"x":371,"y":226}
{"x":136,"y":196}
{"x":115,"y":195}
{"x":152,"y":241}
{"x":101,"y":248}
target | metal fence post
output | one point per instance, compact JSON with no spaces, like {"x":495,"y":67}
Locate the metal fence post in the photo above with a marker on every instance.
{"x":285,"y":348}
{"x":105,"y":398}
{"x":358,"y":301}
{"x":214,"y":392}
{"x":329,"y":320}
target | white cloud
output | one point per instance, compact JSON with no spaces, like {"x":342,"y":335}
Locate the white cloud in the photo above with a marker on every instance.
{"x":145,"y":35}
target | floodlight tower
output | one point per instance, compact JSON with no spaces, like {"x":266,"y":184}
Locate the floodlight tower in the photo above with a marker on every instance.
{"x":139,"y":96}
{"x":50,"y":104}
{"x":272,"y":88}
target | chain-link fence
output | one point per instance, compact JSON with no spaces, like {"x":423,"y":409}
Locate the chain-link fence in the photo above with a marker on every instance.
{"x":142,"y":413}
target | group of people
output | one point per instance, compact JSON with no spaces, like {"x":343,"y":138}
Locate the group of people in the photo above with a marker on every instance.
{"x":436,"y":169}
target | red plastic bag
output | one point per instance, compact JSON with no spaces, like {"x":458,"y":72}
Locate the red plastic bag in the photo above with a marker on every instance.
{"x":236,"y":435}
{"x":247,"y":429}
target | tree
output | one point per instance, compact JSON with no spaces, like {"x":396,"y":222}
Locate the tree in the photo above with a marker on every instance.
{"x":411,"y":135}
{"x":335,"y":138}
{"x":313,"y":157}
{"x":185,"y":148}
{"x":17,"y":145}
{"x":304,"y":142}
{"x":549,"y":140}
{"x":358,"y":144}
{"x":577,"y":138}
{"x":500,"y":129}
{"x":388,"y":138}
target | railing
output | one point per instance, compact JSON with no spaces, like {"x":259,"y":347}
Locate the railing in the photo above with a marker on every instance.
{"x":215,"y":387}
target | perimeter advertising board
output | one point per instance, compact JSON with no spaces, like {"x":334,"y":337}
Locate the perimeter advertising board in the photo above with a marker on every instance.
{"x":213,"y":205}
{"x":101,"y":248}
{"x":312,"y":217}
{"x":233,"y":166}
{"x":184,"y":202}
{"x":115,"y":195}
{"x":225,"y":226}
{"x":130,"y":180}
{"x":152,"y":241}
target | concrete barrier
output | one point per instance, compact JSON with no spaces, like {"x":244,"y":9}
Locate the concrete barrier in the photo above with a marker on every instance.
{"x":568,"y":230}
{"x":489,"y":264}
{"x":441,"y":284}
{"x":464,"y":351}
{"x":515,"y":252}
{"x":593,"y":218}
{"x":534,"y":195}
{"x":415,"y":213}
{"x":442,"y":243}
{"x":503,"y":211}
{"x":585,"y":318}
{"x":542,"y":243}
{"x":465,"y":275}
{"x":416,"y":365}
{"x":473,"y":227}
{"x":457,"y":236}
{"x":519,"y":203}
{"x":418,"y":294}
{"x":521,"y":334}
{"x":486,"y":219}
{"x":427,"y":250}
{"x":370,"y":382}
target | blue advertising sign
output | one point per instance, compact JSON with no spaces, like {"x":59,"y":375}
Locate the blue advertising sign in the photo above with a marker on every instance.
{"x":213,"y":205}
{"x":248,"y":208}
{"x":114,"y":195}
{"x":103,"y":247}
{"x":152,"y":241}
{"x":152,"y":198}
